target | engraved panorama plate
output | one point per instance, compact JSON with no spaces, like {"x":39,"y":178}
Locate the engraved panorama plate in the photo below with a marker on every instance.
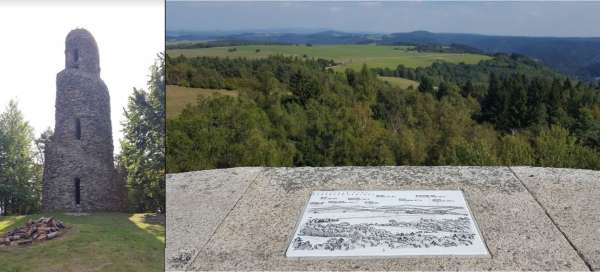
{"x":386,"y":224}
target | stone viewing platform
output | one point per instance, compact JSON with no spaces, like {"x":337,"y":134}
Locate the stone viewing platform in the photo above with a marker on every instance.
{"x":530,"y":218}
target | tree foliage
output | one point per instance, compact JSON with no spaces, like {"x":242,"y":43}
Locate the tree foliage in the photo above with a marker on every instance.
{"x":142,"y":154}
{"x":20,"y":175}
{"x":142,"y":158}
{"x":296,"y":112}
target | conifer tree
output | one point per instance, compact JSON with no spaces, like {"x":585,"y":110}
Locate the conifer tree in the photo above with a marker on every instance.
{"x":468,"y":89}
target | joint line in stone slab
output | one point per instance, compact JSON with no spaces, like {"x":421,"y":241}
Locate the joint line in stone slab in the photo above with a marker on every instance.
{"x":581,"y":256}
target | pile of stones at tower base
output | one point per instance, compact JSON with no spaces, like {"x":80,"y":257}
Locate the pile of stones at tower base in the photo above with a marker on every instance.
{"x":45,"y":228}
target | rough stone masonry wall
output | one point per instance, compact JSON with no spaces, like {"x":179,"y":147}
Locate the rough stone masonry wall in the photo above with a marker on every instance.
{"x":82,"y":146}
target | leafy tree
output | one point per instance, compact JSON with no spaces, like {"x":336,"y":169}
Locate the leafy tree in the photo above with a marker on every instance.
{"x":40,"y":145}
{"x":515,"y":150}
{"x":293,"y":111}
{"x":142,"y":147}
{"x":443,"y":90}
{"x":222,"y":132}
{"x":587,"y":128}
{"x":556,"y":148}
{"x":19,"y":176}
{"x":470,"y":153}
{"x":468,"y":89}
{"x":304,"y":86}
{"x":426,"y":85}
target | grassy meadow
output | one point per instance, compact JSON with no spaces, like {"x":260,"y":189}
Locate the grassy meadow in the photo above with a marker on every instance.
{"x":95,"y":242}
{"x":350,"y":56}
{"x":400,"y":82}
{"x":178,"y":97}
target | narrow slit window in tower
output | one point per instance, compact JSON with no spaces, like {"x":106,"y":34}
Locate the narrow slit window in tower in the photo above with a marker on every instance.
{"x":78,"y":129}
{"x":77,"y":191}
{"x":76,"y":58}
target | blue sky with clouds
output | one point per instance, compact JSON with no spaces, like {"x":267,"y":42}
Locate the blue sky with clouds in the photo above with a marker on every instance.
{"x":574,"y":19}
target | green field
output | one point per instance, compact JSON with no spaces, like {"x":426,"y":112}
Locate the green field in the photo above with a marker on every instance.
{"x":400,"y":82}
{"x":96,"y":242}
{"x":350,"y":56}
{"x":178,"y":97}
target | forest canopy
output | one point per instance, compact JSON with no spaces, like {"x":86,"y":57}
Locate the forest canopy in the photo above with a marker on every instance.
{"x":291,"y":111}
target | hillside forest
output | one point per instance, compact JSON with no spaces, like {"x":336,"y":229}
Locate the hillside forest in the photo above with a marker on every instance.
{"x":292,"y":111}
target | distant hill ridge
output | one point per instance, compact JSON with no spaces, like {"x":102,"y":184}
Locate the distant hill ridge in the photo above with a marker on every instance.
{"x":578,"y":57}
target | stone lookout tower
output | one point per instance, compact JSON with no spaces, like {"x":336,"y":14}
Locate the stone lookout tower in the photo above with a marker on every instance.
{"x":79,"y":174}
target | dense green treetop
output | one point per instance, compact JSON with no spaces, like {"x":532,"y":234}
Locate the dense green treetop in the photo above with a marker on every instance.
{"x":142,"y":156}
{"x":297,"y":112}
{"x":20,"y":177}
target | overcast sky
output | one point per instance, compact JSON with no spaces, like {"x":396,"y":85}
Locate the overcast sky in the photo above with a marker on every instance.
{"x":561,"y":19}
{"x":129,"y":35}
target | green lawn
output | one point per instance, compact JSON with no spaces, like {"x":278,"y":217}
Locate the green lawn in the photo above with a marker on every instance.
{"x":400,"y":82}
{"x":178,"y":97}
{"x":351,"y":56}
{"x":96,"y":242}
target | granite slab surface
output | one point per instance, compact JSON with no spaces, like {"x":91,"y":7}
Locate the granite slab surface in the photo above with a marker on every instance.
{"x":243,"y":218}
{"x":572,"y":199}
